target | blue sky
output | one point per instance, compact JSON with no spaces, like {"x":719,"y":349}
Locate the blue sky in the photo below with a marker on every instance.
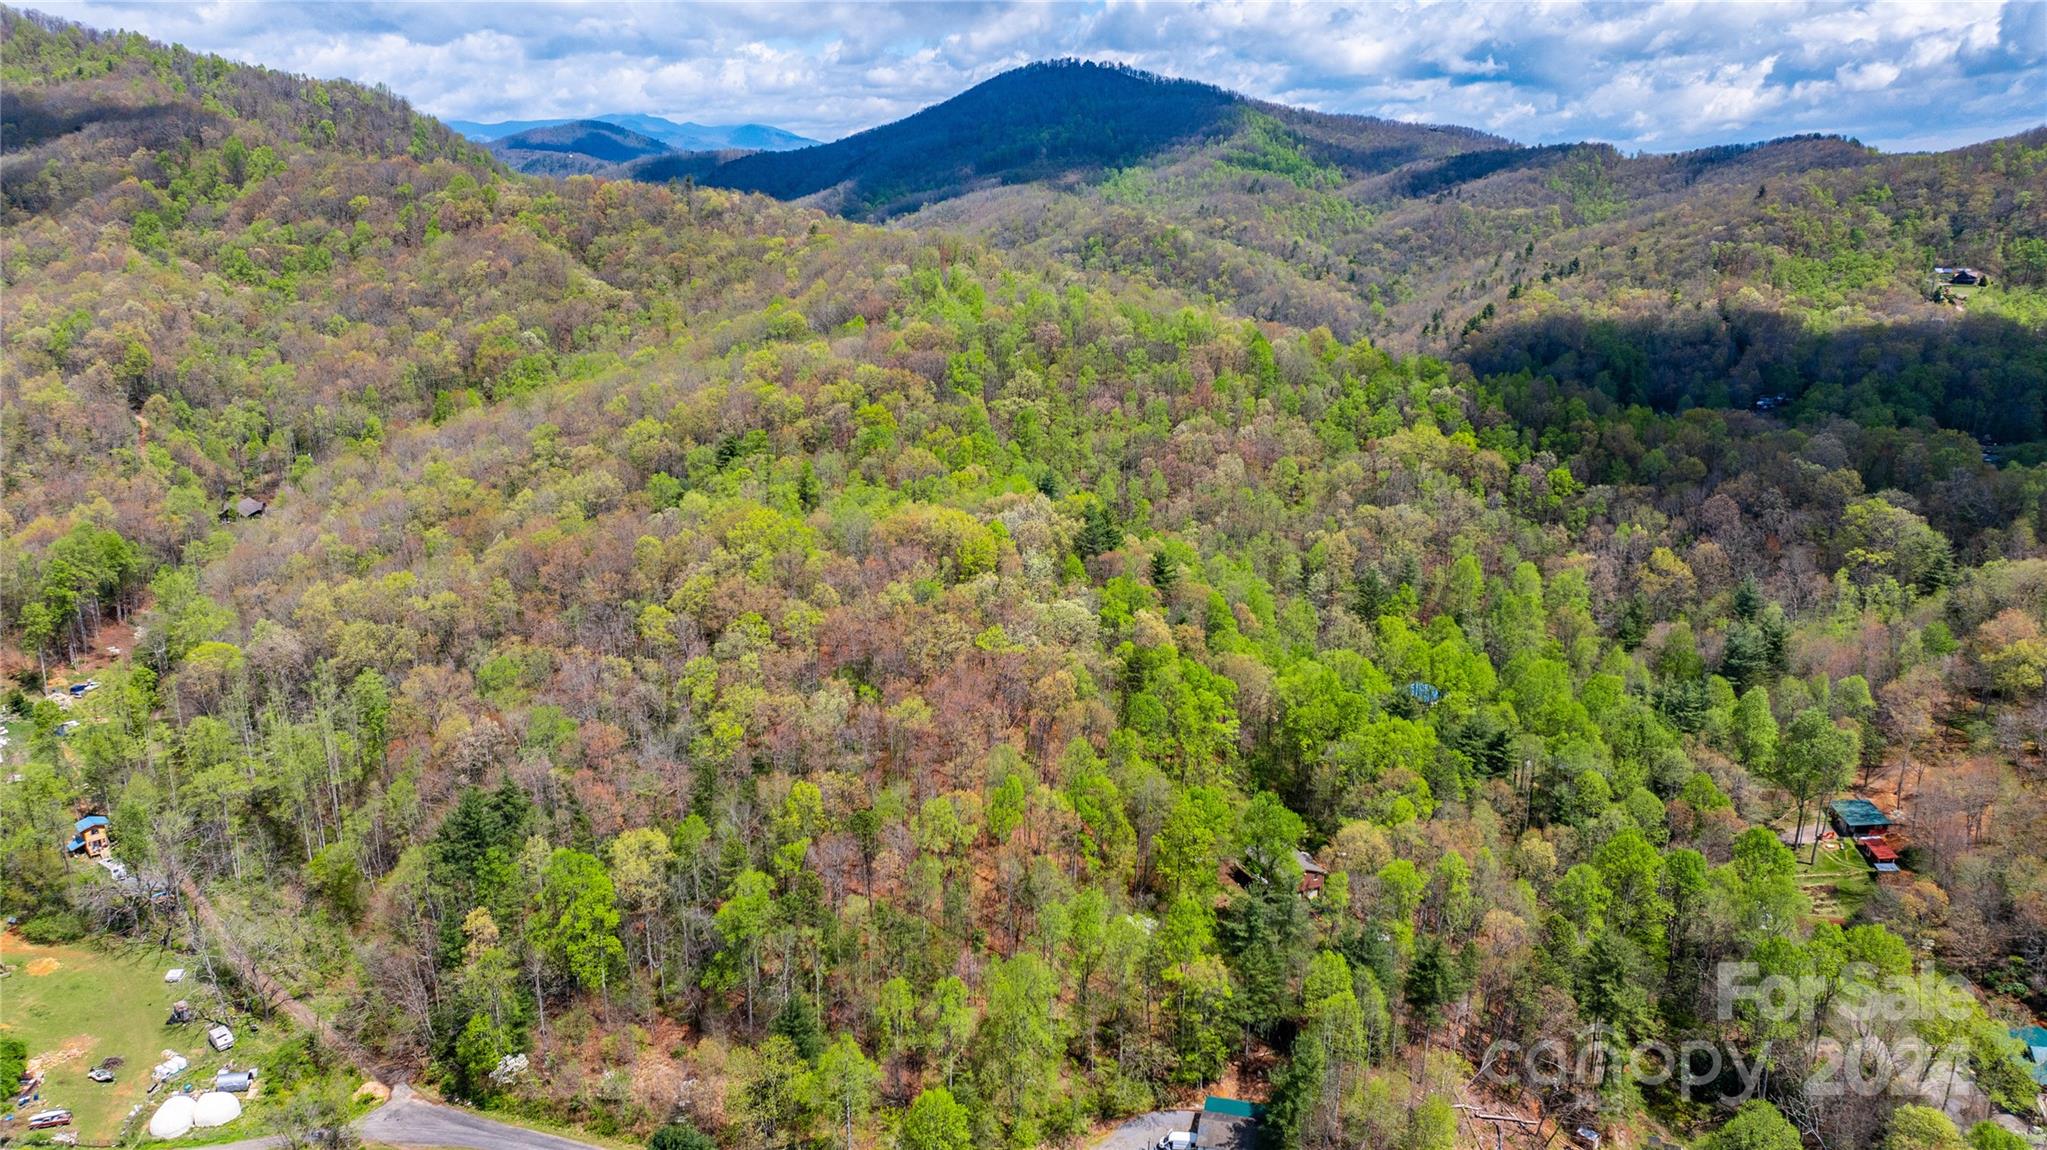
{"x":1657,"y":77}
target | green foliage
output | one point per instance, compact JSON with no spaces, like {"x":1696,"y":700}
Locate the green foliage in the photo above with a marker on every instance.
{"x":1914,"y":1127}
{"x":1756,"y":1126}
{"x":1988,"y":1135}
{"x":575,"y":919}
{"x":680,"y":1136}
{"x":918,"y":669}
{"x":935,"y":1121}
{"x":13,"y":1059}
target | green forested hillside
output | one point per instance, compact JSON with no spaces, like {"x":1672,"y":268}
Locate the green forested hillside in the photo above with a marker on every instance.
{"x":1705,"y":278}
{"x":806,"y":684}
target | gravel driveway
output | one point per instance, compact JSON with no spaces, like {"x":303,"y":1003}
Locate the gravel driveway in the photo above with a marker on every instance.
{"x":1144,"y":1131}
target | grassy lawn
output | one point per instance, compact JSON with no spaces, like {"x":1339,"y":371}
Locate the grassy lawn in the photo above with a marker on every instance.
{"x":77,"y":1004}
{"x":1839,"y":882}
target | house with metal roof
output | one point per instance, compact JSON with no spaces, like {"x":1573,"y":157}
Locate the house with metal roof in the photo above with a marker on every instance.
{"x":1854,"y":818}
{"x":1313,"y":874}
{"x":90,"y":836}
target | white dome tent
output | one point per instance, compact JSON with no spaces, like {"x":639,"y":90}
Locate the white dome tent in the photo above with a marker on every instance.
{"x":216,"y":1108}
{"x":174,"y":1119}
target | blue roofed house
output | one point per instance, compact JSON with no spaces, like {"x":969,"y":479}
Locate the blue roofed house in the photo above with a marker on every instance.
{"x":2035,"y":1039}
{"x":1863,"y":823}
{"x":1854,"y":818}
{"x":90,"y":837}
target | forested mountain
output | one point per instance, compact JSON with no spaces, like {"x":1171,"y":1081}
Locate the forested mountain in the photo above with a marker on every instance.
{"x":808,"y":684}
{"x":1049,"y":121}
{"x":685,"y":136}
{"x":1704,"y":278}
{"x":1714,"y":277}
{"x":578,"y":146}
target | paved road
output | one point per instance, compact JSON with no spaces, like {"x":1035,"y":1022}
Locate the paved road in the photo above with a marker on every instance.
{"x":1144,"y":1131}
{"x":411,"y":1121}
{"x":408,"y":1120}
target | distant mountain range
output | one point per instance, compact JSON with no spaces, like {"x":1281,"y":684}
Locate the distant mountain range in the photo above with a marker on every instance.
{"x":1442,"y":239}
{"x":574,"y":147}
{"x":682,"y":137}
{"x":1050,"y":121}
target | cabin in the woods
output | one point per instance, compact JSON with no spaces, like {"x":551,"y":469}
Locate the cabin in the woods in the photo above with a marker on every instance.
{"x":244,"y":508}
{"x":1863,"y":823}
{"x":1854,"y":818}
{"x":1313,"y":874}
{"x":89,"y":837}
{"x":1955,"y":284}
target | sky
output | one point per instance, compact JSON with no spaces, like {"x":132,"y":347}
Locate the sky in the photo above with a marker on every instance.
{"x":1642,"y":76}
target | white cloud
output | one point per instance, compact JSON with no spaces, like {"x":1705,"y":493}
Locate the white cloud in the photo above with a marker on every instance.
{"x":1667,"y":75}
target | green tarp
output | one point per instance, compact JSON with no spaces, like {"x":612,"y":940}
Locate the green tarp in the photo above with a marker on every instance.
{"x":1230,"y":1107}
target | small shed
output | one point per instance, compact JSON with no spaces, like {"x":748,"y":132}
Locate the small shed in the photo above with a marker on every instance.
{"x":1226,"y":1124}
{"x":1313,"y":874}
{"x":234,"y":1081}
{"x":90,"y":836}
{"x":1854,"y":818}
{"x":247,"y":507}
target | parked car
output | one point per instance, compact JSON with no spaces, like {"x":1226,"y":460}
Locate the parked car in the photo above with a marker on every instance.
{"x":48,"y":1119}
{"x":220,"y":1037}
{"x":1177,"y":1140}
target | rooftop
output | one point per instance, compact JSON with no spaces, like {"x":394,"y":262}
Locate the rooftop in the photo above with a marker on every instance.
{"x":1859,"y":813}
{"x":1229,"y":1107}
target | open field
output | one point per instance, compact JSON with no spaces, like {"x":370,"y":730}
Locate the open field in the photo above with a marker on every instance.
{"x":76,"y":1005}
{"x":1838,"y":882}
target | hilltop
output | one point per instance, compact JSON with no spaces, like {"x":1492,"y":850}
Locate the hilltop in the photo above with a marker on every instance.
{"x":1043,"y":121}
